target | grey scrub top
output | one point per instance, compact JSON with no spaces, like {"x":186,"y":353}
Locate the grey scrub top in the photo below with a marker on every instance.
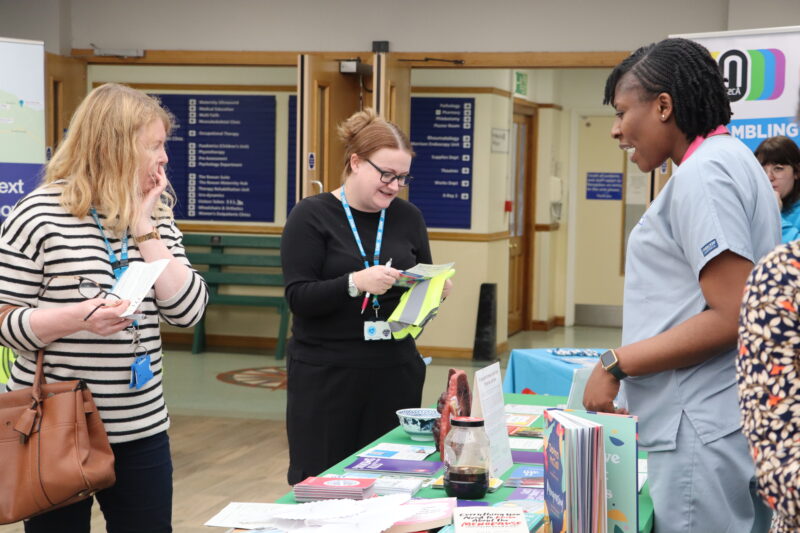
{"x":718,"y":199}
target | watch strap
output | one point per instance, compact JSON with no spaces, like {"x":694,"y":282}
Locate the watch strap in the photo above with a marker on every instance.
{"x":147,"y":236}
{"x":614,"y":368}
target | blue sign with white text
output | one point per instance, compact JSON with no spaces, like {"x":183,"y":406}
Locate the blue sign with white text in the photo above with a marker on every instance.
{"x":604,"y":186}
{"x":17,"y":180}
{"x":442,"y":137}
{"x":222,"y":156}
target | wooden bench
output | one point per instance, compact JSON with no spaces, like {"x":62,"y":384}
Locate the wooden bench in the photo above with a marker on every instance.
{"x":230,"y":261}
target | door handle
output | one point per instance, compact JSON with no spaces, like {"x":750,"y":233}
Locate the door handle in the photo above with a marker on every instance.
{"x":318,"y":184}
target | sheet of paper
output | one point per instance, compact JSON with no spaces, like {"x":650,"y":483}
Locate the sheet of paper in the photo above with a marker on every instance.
{"x":136,"y":282}
{"x":429,"y":271}
{"x":390,"y":450}
{"x":579,"y":378}
{"x":525,"y":443}
{"x":246,"y":515}
{"x":518,"y":408}
{"x":488,"y":402}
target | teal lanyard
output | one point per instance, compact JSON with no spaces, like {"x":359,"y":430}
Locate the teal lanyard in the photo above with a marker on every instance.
{"x":118,"y":266}
{"x":378,"y":241}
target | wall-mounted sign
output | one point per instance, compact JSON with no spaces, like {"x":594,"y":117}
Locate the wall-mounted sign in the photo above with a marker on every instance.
{"x":604,"y":185}
{"x":499,"y":140}
{"x":442,"y":137}
{"x":222,"y":156}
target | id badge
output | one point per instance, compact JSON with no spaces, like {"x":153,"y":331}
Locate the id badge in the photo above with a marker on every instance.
{"x":377,"y":330}
{"x":141,"y":372}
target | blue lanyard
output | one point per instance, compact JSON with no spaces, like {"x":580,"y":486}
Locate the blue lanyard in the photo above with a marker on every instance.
{"x":122,"y":264}
{"x":378,"y":241}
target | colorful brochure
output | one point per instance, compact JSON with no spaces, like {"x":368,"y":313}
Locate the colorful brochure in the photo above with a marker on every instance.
{"x":396,"y":466}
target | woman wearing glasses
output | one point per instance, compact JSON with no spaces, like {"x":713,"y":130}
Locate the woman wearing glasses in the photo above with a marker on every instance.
{"x":103,"y":204}
{"x":341,"y":253}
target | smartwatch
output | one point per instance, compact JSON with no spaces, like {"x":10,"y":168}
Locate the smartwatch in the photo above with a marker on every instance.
{"x":352,"y":290}
{"x":610,"y":363}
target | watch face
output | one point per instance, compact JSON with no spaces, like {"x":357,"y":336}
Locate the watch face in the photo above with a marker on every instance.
{"x":607,"y":359}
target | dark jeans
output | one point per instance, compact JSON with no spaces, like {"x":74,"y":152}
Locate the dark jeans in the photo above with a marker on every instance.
{"x":139,"y":502}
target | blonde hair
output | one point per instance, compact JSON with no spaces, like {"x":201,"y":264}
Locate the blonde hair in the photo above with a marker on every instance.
{"x":99,"y":157}
{"x":364,"y":133}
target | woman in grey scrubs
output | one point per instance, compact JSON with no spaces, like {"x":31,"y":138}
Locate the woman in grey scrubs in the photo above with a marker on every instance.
{"x":686,"y":265}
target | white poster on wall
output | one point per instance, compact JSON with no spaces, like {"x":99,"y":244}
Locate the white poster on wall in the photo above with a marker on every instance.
{"x":22,"y":142}
{"x":762,"y":69}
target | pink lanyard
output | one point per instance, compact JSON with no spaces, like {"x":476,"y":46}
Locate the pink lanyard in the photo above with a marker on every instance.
{"x":719,"y":130}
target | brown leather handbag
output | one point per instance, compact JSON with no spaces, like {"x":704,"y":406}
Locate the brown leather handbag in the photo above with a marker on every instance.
{"x":53,"y":445}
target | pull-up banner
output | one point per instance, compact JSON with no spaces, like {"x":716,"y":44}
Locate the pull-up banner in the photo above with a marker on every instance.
{"x":762,"y":69}
{"x":22,"y":148}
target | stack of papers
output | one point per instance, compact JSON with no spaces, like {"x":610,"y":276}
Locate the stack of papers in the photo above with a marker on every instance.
{"x":526,"y":476}
{"x":395,"y":466}
{"x":387,"y":484}
{"x":420,"y":272}
{"x":323,"y":488}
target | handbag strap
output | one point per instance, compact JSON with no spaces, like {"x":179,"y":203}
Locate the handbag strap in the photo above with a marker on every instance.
{"x":38,"y":378}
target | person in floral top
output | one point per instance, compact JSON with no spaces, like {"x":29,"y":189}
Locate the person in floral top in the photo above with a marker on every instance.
{"x":768,"y":371}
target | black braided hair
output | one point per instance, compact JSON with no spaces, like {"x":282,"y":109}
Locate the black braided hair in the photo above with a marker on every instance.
{"x":686,"y":71}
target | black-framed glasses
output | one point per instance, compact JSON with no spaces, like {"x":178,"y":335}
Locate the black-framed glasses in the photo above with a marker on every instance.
{"x":88,"y":288}
{"x":387,"y":176}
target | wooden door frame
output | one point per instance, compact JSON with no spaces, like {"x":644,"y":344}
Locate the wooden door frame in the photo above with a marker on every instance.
{"x":530,"y":110}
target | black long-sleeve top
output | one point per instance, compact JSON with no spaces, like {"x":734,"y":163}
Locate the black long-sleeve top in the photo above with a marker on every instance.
{"x":318,"y":251}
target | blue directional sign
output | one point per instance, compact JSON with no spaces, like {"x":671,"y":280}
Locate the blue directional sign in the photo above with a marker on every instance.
{"x":442,"y":137}
{"x":222,"y":156}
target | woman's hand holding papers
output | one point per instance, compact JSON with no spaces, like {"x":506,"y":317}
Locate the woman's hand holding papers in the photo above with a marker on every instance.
{"x":376,"y":279}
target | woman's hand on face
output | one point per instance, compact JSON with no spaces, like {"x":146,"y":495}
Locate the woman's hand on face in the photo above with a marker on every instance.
{"x":376,"y":279}
{"x":156,"y":185}
{"x":106,"y":319}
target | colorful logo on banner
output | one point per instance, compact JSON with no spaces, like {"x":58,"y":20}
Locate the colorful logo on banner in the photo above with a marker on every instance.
{"x":753,"y":74}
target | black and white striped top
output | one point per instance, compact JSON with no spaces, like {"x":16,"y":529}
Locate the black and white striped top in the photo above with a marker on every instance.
{"x":40,"y":239}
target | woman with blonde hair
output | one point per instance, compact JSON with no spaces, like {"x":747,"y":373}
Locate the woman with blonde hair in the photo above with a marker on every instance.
{"x":344,"y":383}
{"x":103,"y":204}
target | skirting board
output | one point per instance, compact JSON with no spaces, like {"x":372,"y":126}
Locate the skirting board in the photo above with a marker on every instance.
{"x":547,"y":325}
{"x":598,"y":315}
{"x":269,"y":343}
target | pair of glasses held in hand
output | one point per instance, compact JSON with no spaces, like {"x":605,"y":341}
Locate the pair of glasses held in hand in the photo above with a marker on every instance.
{"x":89,"y":289}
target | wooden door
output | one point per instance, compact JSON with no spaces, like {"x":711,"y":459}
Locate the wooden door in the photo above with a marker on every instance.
{"x":391,"y":97}
{"x":65,"y":87}
{"x":519,"y":221}
{"x":325,"y":98}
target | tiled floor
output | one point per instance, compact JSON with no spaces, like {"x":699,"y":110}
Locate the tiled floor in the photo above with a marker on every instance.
{"x":192,"y":387}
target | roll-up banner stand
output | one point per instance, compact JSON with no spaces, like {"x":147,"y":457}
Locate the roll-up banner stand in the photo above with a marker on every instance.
{"x":762,"y":69}
{"x":22,"y":143}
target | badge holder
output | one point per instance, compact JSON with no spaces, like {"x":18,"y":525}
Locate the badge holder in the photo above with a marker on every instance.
{"x":377,"y":330}
{"x":141,"y":372}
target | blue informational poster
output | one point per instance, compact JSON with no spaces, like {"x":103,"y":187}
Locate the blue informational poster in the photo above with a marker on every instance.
{"x":442,"y":137}
{"x":222,"y":156}
{"x":291,"y":157}
{"x":604,"y":186}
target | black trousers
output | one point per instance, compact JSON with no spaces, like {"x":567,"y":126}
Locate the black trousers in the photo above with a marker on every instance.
{"x":333,"y":411}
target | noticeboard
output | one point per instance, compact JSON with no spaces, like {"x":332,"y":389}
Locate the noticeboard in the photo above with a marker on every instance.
{"x":442,"y":137}
{"x":222,"y":156}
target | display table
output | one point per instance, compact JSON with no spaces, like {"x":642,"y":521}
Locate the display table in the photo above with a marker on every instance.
{"x":543,"y":372}
{"x":397,"y":435}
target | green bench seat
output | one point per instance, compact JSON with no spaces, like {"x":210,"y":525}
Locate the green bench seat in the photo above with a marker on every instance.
{"x":244,"y":260}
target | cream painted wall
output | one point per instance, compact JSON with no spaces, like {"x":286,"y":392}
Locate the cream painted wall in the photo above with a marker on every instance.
{"x":598,"y":259}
